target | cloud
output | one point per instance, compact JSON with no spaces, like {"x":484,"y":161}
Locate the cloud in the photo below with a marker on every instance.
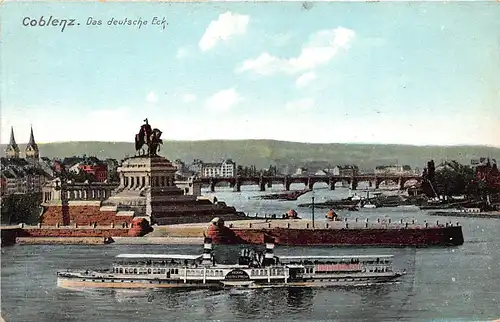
{"x":182,"y":53}
{"x":305,"y":79}
{"x":227,"y":25}
{"x":152,"y":98}
{"x":319,"y":50}
{"x":188,"y":98}
{"x":223,"y":100}
{"x":303,"y":104}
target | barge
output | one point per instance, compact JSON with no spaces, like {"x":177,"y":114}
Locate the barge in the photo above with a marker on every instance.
{"x":254,"y":269}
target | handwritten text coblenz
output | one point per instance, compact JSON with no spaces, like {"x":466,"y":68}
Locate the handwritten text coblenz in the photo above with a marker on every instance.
{"x":50,"y":22}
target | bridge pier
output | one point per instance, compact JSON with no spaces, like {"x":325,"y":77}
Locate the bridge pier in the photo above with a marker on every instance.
{"x":262,"y":184}
{"x":212,"y":186}
{"x":310,"y":184}
{"x":354,"y":184}
{"x":286,"y":183}
{"x":237,"y":187}
{"x":332,"y":184}
{"x":270,"y":184}
{"x":401,"y":183}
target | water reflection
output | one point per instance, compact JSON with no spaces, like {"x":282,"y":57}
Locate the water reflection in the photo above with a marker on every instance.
{"x":299,"y":297}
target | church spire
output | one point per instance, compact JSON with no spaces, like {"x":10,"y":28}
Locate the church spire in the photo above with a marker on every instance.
{"x":32,"y":148}
{"x":12,"y":138}
{"x":12,"y":150}
{"x":32,"y":138}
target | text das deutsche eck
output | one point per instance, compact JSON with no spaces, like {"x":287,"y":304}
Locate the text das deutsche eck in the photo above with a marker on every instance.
{"x":63,"y":23}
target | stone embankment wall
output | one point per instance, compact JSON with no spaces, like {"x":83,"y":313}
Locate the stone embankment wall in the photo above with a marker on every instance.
{"x":63,"y":240}
{"x":81,"y":215}
{"x":195,"y":217}
{"x":445,"y":235}
{"x":73,"y":232}
{"x":137,"y":228}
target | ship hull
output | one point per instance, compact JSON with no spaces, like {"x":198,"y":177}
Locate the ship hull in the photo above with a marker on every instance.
{"x":129,"y":284}
{"x":118,"y":283}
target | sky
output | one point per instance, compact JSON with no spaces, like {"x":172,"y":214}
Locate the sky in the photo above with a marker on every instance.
{"x":420,"y":73}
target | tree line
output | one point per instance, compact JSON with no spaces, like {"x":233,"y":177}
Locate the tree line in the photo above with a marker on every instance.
{"x":452,"y":179}
{"x":251,"y":171}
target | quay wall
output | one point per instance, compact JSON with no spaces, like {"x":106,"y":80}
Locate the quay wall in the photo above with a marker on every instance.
{"x":9,"y":235}
{"x":412,"y":236}
{"x":73,"y":232}
{"x":81,"y":215}
{"x":493,"y":214}
{"x":62,"y":240}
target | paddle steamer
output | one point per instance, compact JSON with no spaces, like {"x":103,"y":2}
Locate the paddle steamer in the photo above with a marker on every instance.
{"x":254,"y":270}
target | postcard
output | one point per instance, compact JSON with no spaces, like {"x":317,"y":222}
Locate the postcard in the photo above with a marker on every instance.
{"x":234,"y":161}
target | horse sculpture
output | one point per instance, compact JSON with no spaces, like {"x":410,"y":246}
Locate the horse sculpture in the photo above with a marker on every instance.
{"x":150,"y":137}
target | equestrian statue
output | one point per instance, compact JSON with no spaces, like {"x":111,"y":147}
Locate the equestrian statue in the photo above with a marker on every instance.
{"x":150,"y":137}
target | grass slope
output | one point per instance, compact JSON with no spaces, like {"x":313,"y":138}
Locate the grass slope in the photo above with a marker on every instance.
{"x":262,"y":153}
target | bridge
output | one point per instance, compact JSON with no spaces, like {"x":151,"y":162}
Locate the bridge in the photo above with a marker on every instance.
{"x":374,"y":180}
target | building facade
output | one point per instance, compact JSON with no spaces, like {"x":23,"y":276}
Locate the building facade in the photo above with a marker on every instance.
{"x":345,"y":170}
{"x":22,"y":175}
{"x":224,"y":169}
{"x":393,"y":169}
{"x":196,"y":167}
{"x":98,"y":170}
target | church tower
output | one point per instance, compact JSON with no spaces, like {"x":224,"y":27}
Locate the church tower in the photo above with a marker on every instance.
{"x":12,"y":150}
{"x":32,"y":153}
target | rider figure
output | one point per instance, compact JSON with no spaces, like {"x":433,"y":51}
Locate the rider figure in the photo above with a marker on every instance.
{"x":147,"y":131}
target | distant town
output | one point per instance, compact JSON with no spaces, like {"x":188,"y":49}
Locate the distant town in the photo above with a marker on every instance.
{"x":29,"y":173}
{"x":29,"y":178}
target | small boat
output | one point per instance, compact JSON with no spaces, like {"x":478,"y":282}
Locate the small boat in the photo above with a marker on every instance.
{"x":254,"y":269}
{"x":287,"y":196}
{"x":368,"y":204}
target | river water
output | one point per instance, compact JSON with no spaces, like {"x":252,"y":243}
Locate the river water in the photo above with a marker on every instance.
{"x":444,"y":283}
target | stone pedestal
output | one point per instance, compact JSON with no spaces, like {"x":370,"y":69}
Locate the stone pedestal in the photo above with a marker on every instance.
{"x":148,"y":188}
{"x":141,"y":179}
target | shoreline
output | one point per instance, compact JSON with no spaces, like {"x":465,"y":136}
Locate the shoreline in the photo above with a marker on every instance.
{"x":113,"y":240}
{"x":484,"y":214}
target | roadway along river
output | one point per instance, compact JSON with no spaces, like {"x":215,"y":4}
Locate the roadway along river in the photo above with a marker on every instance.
{"x":455,"y":283}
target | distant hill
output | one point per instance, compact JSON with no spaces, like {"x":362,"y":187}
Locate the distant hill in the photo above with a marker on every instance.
{"x":263,"y":153}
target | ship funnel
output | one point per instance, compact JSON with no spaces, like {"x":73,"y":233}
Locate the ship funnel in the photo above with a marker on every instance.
{"x":269,"y":257}
{"x":207,"y":250}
